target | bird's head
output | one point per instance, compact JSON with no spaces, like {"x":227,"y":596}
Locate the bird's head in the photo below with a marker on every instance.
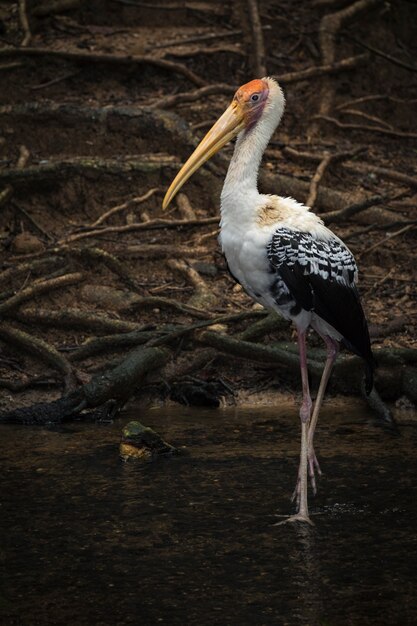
{"x":250,"y":104}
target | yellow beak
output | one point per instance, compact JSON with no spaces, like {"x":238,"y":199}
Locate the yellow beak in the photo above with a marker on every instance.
{"x":227,"y":126}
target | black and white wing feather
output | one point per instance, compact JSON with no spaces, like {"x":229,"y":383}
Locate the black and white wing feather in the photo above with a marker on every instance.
{"x":320,"y":275}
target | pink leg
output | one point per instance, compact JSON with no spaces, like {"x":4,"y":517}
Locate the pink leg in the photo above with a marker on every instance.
{"x":300,"y":491}
{"x":332,"y":351}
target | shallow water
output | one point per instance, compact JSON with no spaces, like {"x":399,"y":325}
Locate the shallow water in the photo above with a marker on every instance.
{"x":87,"y":539}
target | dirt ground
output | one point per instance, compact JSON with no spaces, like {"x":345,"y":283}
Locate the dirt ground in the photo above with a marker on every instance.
{"x":82,"y":133}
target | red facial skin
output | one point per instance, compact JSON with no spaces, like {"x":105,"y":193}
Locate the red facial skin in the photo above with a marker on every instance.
{"x":252,"y":98}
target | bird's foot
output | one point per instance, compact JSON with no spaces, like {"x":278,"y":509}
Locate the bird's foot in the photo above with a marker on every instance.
{"x":313,"y":467}
{"x":298,"y":517}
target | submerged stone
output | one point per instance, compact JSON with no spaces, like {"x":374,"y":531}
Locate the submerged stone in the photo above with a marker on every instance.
{"x":141,"y":443}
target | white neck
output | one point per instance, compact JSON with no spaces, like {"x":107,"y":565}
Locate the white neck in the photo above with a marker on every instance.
{"x":240,"y":186}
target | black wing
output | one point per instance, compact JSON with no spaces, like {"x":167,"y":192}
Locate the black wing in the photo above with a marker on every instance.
{"x":320,"y":275}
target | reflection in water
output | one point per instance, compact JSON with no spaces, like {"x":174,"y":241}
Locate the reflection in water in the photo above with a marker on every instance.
{"x":88,"y":539}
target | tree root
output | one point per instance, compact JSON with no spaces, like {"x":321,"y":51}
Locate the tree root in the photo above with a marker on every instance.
{"x":118,"y":59}
{"x":114,"y":385}
{"x":40,"y":349}
{"x":74,"y":318}
{"x":37,"y":289}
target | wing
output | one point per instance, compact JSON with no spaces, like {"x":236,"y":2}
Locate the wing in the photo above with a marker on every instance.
{"x":320,"y":275}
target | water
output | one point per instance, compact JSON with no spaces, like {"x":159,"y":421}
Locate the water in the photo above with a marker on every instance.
{"x":87,"y":539}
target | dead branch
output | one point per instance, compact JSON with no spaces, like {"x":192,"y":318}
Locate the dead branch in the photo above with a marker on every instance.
{"x":32,"y":267}
{"x":397,"y":233}
{"x":152,"y":224}
{"x":334,"y":217}
{"x":109,"y":343}
{"x":355,"y":166}
{"x":315,"y":181}
{"x":80,"y":165}
{"x":39,"y":288}
{"x":366,"y":127}
{"x":365,"y":116}
{"x":195,"y":39}
{"x":269,"y":324}
{"x":255,"y":351}
{"x":203,"y":297}
{"x":323,"y":70}
{"x":192,"y":96}
{"x":24,"y":23}
{"x":384,"y":55}
{"x":109,"y":260}
{"x":75,"y":318}
{"x":330,"y":25}
{"x":52,"y":7}
{"x":160,"y":302}
{"x":258,"y":50}
{"x":116,"y":385}
{"x":126,"y":205}
{"x":161,"y":251}
{"x":6,"y":194}
{"x":41,"y":349}
{"x":116,"y":59}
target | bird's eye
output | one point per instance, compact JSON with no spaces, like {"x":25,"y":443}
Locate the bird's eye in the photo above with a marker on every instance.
{"x":255,"y":97}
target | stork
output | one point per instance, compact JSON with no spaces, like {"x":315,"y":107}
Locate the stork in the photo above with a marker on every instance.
{"x":283,"y":255}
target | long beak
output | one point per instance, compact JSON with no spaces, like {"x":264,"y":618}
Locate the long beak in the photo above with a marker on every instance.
{"x":227,"y":126}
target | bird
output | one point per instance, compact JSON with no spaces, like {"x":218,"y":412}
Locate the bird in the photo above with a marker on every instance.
{"x":283,"y":256}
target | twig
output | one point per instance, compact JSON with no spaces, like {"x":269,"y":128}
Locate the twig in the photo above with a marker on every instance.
{"x":195,"y":39}
{"x":384,"y":55}
{"x":24,"y":23}
{"x":161,"y":251}
{"x":54,"y":81}
{"x":366,"y":116}
{"x":192,"y":96}
{"x":126,"y":205}
{"x":359,"y":167}
{"x":6,"y":194}
{"x":12,"y":273}
{"x":387,"y":238}
{"x":315,"y":181}
{"x":322,"y":70}
{"x":38,"y":289}
{"x":41,"y":349}
{"x":95,"y":346}
{"x":366,"y":127}
{"x":258,"y":52}
{"x":333,"y":217}
{"x":109,"y":260}
{"x":153,"y":224}
{"x":89,"y":57}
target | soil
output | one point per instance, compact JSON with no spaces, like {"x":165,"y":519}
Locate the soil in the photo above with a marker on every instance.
{"x":68,"y":113}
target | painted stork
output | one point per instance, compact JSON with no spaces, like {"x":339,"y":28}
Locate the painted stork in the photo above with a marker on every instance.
{"x":283,"y":255}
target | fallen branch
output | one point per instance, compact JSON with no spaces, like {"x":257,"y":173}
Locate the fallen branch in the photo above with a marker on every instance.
{"x":334,"y":217}
{"x":203,"y":298}
{"x":161,"y":251}
{"x":355,"y":166}
{"x":108,"y":343}
{"x":126,"y":205}
{"x":116,"y":385}
{"x":376,"y":245}
{"x":152,"y":224}
{"x":117,"y":59}
{"x":40,"y":349}
{"x":39,"y":288}
{"x":366,"y":127}
{"x":30,"y":268}
{"x":348,"y":63}
{"x":75,"y":318}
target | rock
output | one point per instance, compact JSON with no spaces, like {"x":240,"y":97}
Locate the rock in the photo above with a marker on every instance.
{"x":108,"y":297}
{"x":26,"y":243}
{"x":141,"y":443}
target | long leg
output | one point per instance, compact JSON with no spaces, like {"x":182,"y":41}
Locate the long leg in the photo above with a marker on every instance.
{"x":305,"y":412}
{"x":332,"y":351}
